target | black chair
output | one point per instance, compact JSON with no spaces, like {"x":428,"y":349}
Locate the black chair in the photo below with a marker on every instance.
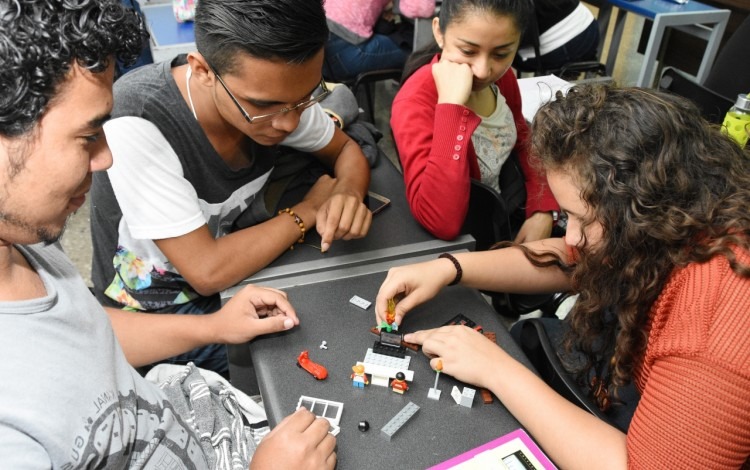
{"x":569,"y":71}
{"x":536,"y":345}
{"x":730,"y":74}
{"x":494,"y":217}
{"x":364,"y":85}
{"x":712,"y":105}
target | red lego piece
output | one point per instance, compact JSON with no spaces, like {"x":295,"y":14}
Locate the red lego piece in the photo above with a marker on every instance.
{"x":486,"y":395}
{"x":315,"y":369}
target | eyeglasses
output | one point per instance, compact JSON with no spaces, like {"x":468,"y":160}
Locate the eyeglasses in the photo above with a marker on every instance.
{"x":267,"y":117}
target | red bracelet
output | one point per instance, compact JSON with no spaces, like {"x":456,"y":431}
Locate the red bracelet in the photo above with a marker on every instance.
{"x":459,"y":271}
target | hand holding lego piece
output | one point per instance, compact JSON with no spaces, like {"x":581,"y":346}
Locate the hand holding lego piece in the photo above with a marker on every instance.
{"x":411,"y":286}
{"x":252,"y":312}
{"x":299,"y":441}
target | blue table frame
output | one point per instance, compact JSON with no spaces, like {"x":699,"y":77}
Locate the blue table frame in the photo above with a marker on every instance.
{"x":694,"y":18}
{"x":168,"y":37}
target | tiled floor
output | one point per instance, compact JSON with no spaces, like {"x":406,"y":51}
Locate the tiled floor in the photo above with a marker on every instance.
{"x":77,"y":240}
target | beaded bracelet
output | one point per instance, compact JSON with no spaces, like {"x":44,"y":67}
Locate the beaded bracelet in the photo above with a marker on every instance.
{"x":298,"y":221}
{"x":459,"y":271}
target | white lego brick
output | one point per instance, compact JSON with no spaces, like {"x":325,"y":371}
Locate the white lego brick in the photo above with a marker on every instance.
{"x":360,"y":302}
{"x":330,"y":410}
{"x":387,"y":361}
{"x":434,"y":394}
{"x":380,"y":380}
{"x":456,"y":394}
{"x":465,"y":398}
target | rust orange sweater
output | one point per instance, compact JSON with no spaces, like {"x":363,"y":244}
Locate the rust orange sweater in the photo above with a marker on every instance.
{"x":695,"y":377}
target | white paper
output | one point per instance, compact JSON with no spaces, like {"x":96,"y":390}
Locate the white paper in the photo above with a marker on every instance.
{"x":536,"y":91}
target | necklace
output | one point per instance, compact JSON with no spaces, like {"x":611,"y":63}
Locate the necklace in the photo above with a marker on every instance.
{"x":188,"y":74}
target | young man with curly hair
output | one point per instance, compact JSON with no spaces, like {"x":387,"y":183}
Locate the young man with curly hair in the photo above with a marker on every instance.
{"x":658,"y":247}
{"x":70,"y":397}
{"x":183,"y":213}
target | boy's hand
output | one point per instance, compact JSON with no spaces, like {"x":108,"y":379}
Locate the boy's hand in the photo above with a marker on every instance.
{"x":301,"y":441}
{"x":252,"y":312}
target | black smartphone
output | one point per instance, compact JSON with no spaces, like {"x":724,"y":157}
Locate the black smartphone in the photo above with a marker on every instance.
{"x":376,"y":202}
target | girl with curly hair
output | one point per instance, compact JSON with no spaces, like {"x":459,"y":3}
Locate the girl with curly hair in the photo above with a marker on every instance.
{"x":657,"y":249}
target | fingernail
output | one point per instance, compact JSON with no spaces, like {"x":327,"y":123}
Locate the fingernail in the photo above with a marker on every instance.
{"x":288,"y":323}
{"x":324,"y":247}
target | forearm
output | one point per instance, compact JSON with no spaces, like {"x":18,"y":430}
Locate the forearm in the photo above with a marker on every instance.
{"x":211,"y":265}
{"x":351,"y":170}
{"x":508,"y":269}
{"x":150,"y":337}
{"x":566,"y":432}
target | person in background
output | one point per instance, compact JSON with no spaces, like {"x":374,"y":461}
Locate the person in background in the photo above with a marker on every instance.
{"x":658,"y":248}
{"x":183,"y":212}
{"x":568,"y":32}
{"x":70,"y":398}
{"x":356,"y":45}
{"x":145,"y":56}
{"x":458,"y":116}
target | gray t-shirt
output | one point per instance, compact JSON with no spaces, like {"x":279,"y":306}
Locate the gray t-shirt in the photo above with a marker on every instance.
{"x":69,"y":398}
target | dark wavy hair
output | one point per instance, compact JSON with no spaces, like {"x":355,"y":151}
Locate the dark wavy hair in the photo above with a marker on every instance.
{"x":40,"y":40}
{"x":667,"y":188}
{"x":452,"y":11}
{"x":289,"y":30}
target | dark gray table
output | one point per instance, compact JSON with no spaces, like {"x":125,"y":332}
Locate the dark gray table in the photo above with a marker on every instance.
{"x":440,"y":430}
{"x":394,"y":234}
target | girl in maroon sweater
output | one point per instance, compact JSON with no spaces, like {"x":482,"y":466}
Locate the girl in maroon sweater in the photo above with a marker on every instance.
{"x":658,"y":249}
{"x":459,"y":117}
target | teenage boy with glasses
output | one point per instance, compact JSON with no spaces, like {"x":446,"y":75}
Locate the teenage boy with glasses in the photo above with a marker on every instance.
{"x":181,"y":215}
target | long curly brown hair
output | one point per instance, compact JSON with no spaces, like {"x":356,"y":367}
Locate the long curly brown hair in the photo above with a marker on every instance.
{"x":667,"y":188}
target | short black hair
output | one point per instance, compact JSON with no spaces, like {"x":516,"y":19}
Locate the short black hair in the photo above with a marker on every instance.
{"x":286,"y":30}
{"x":40,"y":40}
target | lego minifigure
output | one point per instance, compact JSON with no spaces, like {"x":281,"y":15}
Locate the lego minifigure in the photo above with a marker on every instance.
{"x":399,"y":384}
{"x":359,"y":378}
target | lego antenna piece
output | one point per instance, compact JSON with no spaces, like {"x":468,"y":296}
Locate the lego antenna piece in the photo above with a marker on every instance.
{"x":398,"y":421}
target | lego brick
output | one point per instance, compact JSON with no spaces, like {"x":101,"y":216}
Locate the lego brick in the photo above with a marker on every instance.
{"x":377,"y":372}
{"x":486,"y":394}
{"x":414,"y":347}
{"x":398,"y":421}
{"x":461,"y":319}
{"x":330,"y":410}
{"x":360,"y":302}
{"x":386,"y":361}
{"x":386,"y":350}
{"x":465,"y":398}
